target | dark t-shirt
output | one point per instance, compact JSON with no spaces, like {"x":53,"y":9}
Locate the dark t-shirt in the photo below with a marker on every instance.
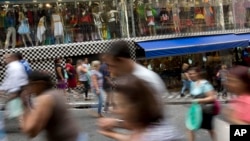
{"x":62,"y":71}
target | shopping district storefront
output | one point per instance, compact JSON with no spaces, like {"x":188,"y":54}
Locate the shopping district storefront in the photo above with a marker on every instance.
{"x":162,"y":34}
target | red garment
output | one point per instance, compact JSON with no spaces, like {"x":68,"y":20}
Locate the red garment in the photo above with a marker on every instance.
{"x":86,"y":19}
{"x":241,"y":107}
{"x":30,"y":18}
{"x":72,"y":78}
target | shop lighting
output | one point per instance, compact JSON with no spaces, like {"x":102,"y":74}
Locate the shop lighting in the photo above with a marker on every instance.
{"x":7,"y":1}
{"x":48,"y":5}
{"x":35,"y":1}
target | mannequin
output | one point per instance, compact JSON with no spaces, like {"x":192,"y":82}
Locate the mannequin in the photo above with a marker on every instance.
{"x":98,"y":23}
{"x":24,"y":28}
{"x":240,"y":15}
{"x":113,"y":23}
{"x":150,"y":19}
{"x":57,"y":26}
{"x":123,"y":18}
{"x":10,"y":23}
{"x":199,"y":19}
{"x":188,"y":11}
{"x":85,"y":22}
{"x":219,"y":15}
{"x":164,"y":19}
{"x":40,"y":34}
{"x":230,"y":17}
{"x":176,"y":17}
{"x":208,"y":13}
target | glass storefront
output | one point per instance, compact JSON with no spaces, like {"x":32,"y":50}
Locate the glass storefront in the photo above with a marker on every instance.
{"x":48,"y":22}
{"x":169,"y":68}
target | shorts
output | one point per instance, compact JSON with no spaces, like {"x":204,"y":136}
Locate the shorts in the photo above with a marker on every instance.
{"x":61,"y":84}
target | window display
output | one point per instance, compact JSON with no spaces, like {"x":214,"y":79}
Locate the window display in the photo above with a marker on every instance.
{"x":44,"y":22}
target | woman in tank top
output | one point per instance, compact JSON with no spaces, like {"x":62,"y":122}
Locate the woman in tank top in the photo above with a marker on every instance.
{"x":47,"y":111}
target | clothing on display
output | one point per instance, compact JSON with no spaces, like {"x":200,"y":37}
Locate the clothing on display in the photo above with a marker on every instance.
{"x":58,"y":26}
{"x":24,"y":27}
{"x":41,"y":29}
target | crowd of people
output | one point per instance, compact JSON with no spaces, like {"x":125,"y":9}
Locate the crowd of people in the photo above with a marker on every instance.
{"x":32,"y":99}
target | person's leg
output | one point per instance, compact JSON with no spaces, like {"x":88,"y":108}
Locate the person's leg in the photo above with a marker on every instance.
{"x":100,"y":102}
{"x":191,"y":136}
{"x":107,"y":103}
{"x":86,"y":88}
{"x":184,"y":87}
{"x":212,"y":135}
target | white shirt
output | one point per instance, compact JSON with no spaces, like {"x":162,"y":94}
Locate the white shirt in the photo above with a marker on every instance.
{"x":154,"y":81}
{"x":15,"y":77}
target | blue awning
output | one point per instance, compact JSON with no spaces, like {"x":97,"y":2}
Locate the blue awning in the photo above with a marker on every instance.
{"x":181,"y":46}
{"x":244,"y":36}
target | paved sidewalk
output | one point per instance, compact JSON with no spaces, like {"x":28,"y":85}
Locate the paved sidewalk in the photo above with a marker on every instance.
{"x":78,"y":100}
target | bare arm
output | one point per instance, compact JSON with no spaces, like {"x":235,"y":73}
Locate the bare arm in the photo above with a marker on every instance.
{"x":210,"y":97}
{"x":34,"y":120}
{"x":94,"y":81}
{"x":59,"y":71}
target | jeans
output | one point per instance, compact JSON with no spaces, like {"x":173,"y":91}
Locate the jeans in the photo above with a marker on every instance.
{"x":185,"y":86}
{"x":100,"y":99}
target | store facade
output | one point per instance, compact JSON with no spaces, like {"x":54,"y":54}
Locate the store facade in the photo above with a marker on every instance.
{"x":66,"y":28}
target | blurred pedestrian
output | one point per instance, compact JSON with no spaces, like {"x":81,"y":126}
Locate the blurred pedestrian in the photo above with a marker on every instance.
{"x":204,"y":94}
{"x":97,"y":84}
{"x":138,"y":107}
{"x":185,"y":79}
{"x":47,"y":112}
{"x":222,"y":77}
{"x":82,"y":71}
{"x":12,"y":85}
{"x":60,"y":75}
{"x":106,"y":84}
{"x":238,"y":80}
{"x":119,"y":62}
{"x":72,"y":83}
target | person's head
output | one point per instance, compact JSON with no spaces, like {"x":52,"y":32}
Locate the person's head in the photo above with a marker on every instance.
{"x":86,"y":60}
{"x":79,"y":62}
{"x":79,"y":37}
{"x":133,"y":93}
{"x":238,"y":80}
{"x":39,"y":82}
{"x":195,"y":73}
{"x":19,"y":55}
{"x":185,"y":66}
{"x":58,"y":60}
{"x":223,"y":67}
{"x":8,"y":58}
{"x":118,"y":58}
{"x":95,"y":65}
{"x":69,"y":60}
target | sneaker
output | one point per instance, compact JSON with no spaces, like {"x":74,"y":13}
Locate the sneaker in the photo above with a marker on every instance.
{"x":182,"y":95}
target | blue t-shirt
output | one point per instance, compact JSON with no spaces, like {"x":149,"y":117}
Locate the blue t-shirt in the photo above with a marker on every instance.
{"x":202,"y":88}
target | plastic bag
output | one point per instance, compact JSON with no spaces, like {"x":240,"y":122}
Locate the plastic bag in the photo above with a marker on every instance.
{"x":14,"y":108}
{"x":194,"y":116}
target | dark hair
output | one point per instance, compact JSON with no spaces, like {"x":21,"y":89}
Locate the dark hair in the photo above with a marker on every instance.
{"x":57,"y":60}
{"x":19,"y":55}
{"x":42,"y":76}
{"x":242,"y":73}
{"x":147,"y":108}
{"x":119,"y":49}
{"x":68,"y":60}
